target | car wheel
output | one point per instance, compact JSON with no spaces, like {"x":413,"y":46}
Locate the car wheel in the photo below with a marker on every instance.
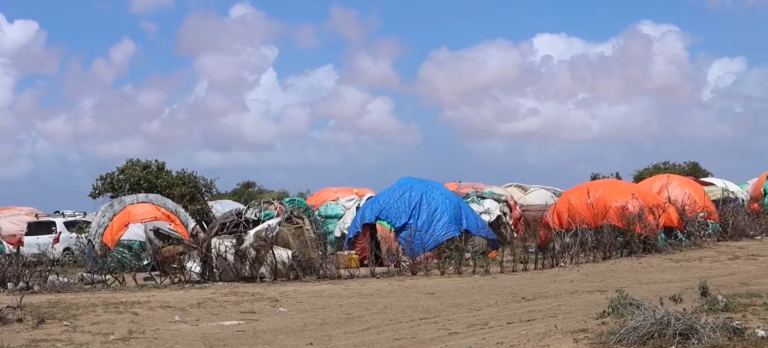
{"x":67,"y":256}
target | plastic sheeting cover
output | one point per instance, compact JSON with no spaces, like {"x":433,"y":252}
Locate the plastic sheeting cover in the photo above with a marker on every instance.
{"x":722,"y":183}
{"x":108,"y":211}
{"x":352,"y":204}
{"x":13,"y":222}
{"x":222,"y":206}
{"x":421,"y":207}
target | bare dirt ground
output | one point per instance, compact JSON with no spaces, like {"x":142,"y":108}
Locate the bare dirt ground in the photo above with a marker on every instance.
{"x":551,"y":308}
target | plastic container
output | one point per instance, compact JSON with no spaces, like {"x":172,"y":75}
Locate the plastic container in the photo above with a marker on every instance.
{"x":347,"y":259}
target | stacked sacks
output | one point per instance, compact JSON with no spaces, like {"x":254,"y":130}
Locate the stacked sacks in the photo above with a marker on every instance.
{"x":331,"y":204}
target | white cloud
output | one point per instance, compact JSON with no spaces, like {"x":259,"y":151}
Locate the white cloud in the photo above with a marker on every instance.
{"x":22,"y":52}
{"x":639,"y":84}
{"x":148,"y":27}
{"x":239,"y":108}
{"x":148,"y":6}
{"x":347,"y":23}
{"x":373,"y":66}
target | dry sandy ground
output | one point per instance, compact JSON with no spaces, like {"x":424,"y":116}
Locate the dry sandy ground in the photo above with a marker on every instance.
{"x":552,"y":308}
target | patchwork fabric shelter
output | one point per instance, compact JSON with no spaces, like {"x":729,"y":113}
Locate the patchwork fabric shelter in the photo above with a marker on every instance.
{"x":332,"y":205}
{"x":423,"y":214}
{"x":125,"y":225}
{"x":534,"y":202}
{"x":684,"y":194}
{"x":13,"y":222}
{"x":471,"y":193}
{"x":758,"y":193}
{"x":608,"y":202}
{"x":331,"y":194}
{"x":219,"y":207}
{"x":730,"y":186}
{"x":527,"y":187}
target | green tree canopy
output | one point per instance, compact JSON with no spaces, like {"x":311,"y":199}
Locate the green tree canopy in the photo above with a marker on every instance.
{"x":185,"y":187}
{"x":687,"y":168}
{"x":248,"y":191}
{"x":600,"y":176}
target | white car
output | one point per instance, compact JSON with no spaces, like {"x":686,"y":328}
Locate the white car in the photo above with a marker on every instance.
{"x":57,"y":236}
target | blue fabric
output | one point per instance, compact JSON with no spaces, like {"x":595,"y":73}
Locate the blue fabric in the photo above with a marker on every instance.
{"x":423,"y":214}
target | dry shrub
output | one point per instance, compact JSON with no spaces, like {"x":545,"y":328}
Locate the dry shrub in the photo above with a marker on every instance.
{"x":645,"y":324}
{"x":580,"y":244}
{"x":640,"y":323}
{"x":738,"y":223}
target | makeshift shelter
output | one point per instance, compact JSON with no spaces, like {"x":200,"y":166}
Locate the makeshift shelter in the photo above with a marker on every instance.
{"x":241,"y":237}
{"x":723,"y":192}
{"x":331,"y":194}
{"x":497,"y":208}
{"x":748,"y":185}
{"x":685,"y":195}
{"x":13,"y":222}
{"x":128,"y":229}
{"x":350,"y":205}
{"x":331,"y":205}
{"x":534,"y":202}
{"x":556,"y":192}
{"x":219,"y":207}
{"x":609,"y":202}
{"x":422,"y":214}
{"x":758,"y":197}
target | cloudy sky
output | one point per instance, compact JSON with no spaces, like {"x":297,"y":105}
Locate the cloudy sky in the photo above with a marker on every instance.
{"x":312,"y":93}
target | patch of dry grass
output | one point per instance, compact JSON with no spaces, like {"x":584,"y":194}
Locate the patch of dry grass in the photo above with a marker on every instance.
{"x":641,"y":323}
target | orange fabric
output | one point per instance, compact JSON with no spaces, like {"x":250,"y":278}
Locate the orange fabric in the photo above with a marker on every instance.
{"x":681,"y":192}
{"x":387,"y":243}
{"x":330,"y":194}
{"x":756,"y":193}
{"x":462,"y":188}
{"x":137,"y":214}
{"x":606,"y":202}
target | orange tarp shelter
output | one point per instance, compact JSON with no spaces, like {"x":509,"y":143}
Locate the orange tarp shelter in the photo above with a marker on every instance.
{"x":330,"y":194}
{"x":608,"y":202}
{"x":136,"y":214}
{"x":756,"y":193}
{"x":683,"y":193}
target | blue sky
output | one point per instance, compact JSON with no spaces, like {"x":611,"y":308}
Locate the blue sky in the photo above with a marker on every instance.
{"x":391,"y":105}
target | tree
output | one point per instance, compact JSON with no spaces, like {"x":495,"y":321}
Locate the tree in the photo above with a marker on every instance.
{"x":687,"y":168}
{"x":303,"y":194}
{"x":248,"y":191}
{"x":185,"y":187}
{"x":600,"y":176}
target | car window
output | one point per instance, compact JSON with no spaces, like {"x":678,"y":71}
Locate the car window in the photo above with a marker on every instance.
{"x":40,"y":228}
{"x":77,"y":226}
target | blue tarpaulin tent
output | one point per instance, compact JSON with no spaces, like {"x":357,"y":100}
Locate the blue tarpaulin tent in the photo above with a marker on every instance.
{"x":423,"y":213}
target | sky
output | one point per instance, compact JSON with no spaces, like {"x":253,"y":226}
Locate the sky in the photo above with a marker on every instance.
{"x":306,"y":94}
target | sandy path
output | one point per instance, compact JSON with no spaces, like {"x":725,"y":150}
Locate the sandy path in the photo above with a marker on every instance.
{"x":552,"y":308}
